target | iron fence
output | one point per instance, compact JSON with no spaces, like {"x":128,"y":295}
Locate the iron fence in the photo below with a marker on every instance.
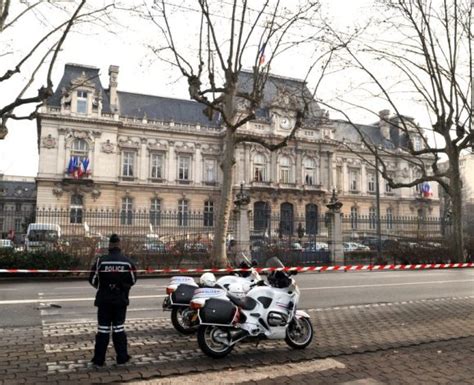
{"x":405,"y":227}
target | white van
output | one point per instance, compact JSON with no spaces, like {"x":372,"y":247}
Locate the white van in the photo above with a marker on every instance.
{"x":41,"y":236}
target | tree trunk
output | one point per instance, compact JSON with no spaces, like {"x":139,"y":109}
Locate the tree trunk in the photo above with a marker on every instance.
{"x":456,"y":201}
{"x":219,"y":254}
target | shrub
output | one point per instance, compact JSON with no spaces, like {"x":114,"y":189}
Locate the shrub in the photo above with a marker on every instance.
{"x":10,"y":259}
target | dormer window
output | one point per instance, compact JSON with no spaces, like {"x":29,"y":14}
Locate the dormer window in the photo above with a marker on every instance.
{"x":417,"y":145}
{"x":81,"y":102}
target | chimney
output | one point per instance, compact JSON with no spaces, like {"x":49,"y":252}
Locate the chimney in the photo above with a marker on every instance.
{"x":384,"y":124}
{"x":113,"y":75}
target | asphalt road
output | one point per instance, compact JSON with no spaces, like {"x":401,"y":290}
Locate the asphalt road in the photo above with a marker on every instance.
{"x":33,"y":302}
{"x":394,"y":327}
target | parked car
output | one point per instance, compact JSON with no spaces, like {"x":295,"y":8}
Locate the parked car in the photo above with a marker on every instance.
{"x":43,"y":236}
{"x":296,"y":246}
{"x":354,"y":246}
{"x":316,"y":246}
{"x":6,"y":244}
{"x":155,"y":247}
{"x":197,"y":247}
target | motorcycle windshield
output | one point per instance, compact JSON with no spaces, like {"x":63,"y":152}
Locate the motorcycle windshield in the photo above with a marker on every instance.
{"x":242,"y":260}
{"x":274,"y":262}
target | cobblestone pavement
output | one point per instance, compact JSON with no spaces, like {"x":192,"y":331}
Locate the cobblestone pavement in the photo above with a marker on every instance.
{"x":355,"y":336}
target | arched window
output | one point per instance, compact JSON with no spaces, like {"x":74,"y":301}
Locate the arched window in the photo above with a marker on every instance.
{"x":259,"y":169}
{"x":77,"y":205}
{"x":311,"y":219}
{"x":182,"y":212}
{"x":79,"y":147}
{"x":79,"y":160}
{"x":286,"y":219}
{"x":285,"y":170}
{"x":261,"y":216}
{"x":309,"y":171}
{"x":155,"y":212}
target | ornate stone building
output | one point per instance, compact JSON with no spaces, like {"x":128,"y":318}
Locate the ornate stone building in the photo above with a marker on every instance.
{"x":17,"y":205}
{"x":104,"y":148}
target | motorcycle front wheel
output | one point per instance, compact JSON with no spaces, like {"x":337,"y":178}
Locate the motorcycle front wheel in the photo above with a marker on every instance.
{"x":299,"y":333}
{"x":214,"y":341}
{"x":181,"y":320}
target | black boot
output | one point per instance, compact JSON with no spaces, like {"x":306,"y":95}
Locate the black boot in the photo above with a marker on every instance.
{"x":101,"y":343}
{"x":120,"y":345}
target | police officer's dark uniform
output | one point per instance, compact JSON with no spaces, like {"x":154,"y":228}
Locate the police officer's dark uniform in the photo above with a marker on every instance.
{"x":112,"y":275}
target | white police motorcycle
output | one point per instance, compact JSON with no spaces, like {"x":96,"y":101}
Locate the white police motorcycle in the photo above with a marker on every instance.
{"x":180,"y":291}
{"x":265,"y":312}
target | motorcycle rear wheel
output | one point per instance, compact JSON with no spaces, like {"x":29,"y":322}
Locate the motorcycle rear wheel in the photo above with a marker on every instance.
{"x":208,"y":340}
{"x":299,"y":333}
{"x":180,"y":318}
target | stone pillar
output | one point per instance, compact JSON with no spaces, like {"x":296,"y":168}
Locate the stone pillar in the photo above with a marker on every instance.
{"x":171,"y":163}
{"x":363,"y":179}
{"x":273,"y":167}
{"x":243,"y":230}
{"x":334,"y":223}
{"x":298,"y":168}
{"x":345,"y":177}
{"x":248,"y":177}
{"x":198,"y":165}
{"x":62,"y":160}
{"x":144,"y":160}
{"x":243,"y":226}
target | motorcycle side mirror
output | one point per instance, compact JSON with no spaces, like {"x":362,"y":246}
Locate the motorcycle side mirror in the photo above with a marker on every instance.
{"x":254,"y":263}
{"x":293,"y":272}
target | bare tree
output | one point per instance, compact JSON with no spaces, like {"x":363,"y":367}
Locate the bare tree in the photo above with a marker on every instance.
{"x":422,"y":52}
{"x":213,"y":69}
{"x":21,"y":68}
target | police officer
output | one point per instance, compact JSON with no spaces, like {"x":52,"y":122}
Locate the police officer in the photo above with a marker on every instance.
{"x":112,"y":275}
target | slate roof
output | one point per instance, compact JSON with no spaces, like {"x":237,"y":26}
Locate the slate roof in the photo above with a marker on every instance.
{"x":345,"y":130}
{"x":190,"y":112}
{"x":10,"y":190}
{"x":165,"y":109}
{"x":73,"y":71}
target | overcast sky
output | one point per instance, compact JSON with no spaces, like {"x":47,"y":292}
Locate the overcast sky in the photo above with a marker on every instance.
{"x":139,"y":73}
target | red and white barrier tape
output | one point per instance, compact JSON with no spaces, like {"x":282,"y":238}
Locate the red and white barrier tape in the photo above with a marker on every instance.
{"x":299,"y":269}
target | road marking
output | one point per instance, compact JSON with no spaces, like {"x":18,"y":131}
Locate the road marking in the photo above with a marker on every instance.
{"x":137,"y":286}
{"x":384,"y":284}
{"x":50,"y":300}
{"x":239,"y":376}
{"x":363,"y":381}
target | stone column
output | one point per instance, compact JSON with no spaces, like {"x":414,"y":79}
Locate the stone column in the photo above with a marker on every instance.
{"x":298,"y":168}
{"x":274,"y":167}
{"x":198,"y":165}
{"x":363,"y":179}
{"x":243,"y":227}
{"x":334,"y":223}
{"x":62,"y":161}
{"x":247,"y":170}
{"x":144,"y":160}
{"x":172,"y":163}
{"x":345,"y":177}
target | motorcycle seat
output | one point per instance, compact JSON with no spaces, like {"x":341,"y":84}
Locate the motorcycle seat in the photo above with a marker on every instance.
{"x":246,"y":303}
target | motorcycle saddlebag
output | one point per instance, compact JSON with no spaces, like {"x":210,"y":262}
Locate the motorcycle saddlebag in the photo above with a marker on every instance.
{"x":183,"y":294}
{"x":218,"y":311}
